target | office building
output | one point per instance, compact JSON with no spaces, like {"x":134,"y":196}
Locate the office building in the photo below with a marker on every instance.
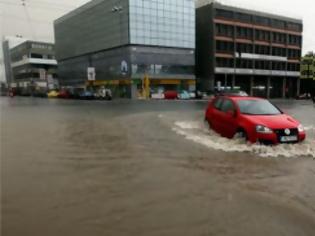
{"x":33,"y":67}
{"x":249,"y":50}
{"x":118,"y":43}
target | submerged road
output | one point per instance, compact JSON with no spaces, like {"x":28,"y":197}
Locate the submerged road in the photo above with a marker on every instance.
{"x":147,"y":168}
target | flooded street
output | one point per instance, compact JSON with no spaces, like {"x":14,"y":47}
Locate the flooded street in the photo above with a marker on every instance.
{"x":148,"y":168}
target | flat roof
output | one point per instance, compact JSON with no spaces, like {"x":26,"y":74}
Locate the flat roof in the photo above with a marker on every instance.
{"x":78,"y":10}
{"x":219,"y":5}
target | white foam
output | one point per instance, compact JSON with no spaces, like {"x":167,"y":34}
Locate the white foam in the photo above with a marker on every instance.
{"x":309,"y":128}
{"x":199,"y":133}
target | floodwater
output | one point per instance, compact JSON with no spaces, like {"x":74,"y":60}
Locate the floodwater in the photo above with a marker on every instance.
{"x":147,"y":168}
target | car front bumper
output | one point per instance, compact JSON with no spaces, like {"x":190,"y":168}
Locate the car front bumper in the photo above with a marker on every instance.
{"x":276,"y":138}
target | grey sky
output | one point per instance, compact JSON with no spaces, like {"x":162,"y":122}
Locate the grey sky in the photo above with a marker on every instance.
{"x":35,"y":19}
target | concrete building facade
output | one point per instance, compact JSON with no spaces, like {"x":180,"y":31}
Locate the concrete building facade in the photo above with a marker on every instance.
{"x":33,"y":67}
{"x":253,"y":51}
{"x":123,"y":41}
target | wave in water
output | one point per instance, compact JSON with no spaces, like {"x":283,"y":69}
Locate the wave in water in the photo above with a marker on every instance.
{"x":199,"y":133}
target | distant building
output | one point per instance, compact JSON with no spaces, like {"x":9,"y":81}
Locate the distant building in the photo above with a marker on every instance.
{"x":254,"y":51}
{"x":34,"y":66}
{"x":7,"y":62}
{"x":117,"y":43}
{"x":308,"y":74}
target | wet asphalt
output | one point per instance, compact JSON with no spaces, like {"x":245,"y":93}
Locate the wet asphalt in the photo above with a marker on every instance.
{"x":120,"y":168}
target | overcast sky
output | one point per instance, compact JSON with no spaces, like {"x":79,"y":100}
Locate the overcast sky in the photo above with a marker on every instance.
{"x":34,"y":20}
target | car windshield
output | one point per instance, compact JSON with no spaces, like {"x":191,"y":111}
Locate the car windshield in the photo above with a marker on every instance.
{"x":257,"y":107}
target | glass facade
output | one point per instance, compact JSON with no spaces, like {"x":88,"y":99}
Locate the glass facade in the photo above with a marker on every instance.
{"x":161,"y":70}
{"x":168,"y":23}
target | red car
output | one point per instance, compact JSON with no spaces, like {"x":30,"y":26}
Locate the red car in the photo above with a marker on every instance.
{"x":255,"y":119}
{"x":170,"y":95}
{"x":64,"y":94}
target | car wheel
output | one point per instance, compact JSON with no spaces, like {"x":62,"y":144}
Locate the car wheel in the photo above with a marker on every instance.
{"x":241,"y":134}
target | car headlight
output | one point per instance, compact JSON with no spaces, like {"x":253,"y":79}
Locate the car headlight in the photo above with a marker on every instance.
{"x":263,"y":129}
{"x":301,"y":128}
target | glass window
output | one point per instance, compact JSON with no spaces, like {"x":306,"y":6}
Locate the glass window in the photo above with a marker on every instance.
{"x":218,"y":103}
{"x":227,"y":105}
{"x":166,"y":22}
{"x":257,"y":107}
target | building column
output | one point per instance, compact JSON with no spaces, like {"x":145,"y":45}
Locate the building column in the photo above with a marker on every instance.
{"x":233,"y":81}
{"x":268,"y":87}
{"x":251,"y":86}
{"x":298,"y":86}
{"x":284,"y":86}
{"x":211,"y":83}
{"x":225,"y":81}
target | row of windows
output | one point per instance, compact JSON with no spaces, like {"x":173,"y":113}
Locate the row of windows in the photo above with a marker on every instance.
{"x":177,"y":29}
{"x":162,"y":42}
{"x":161,"y":69}
{"x":258,"y":64}
{"x":173,"y":37}
{"x":183,"y":25}
{"x":160,"y":12}
{"x":228,"y":47}
{"x":224,"y":30}
{"x":265,"y":21}
{"x":247,"y":33}
{"x":163,"y":3}
{"x":32,"y":55}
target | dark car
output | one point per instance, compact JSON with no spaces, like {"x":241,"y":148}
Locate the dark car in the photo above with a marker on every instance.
{"x":86,"y":95}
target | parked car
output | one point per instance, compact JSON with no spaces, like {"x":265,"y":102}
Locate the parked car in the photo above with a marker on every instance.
{"x":170,"y":95}
{"x":52,"y":94}
{"x":254,"y":119}
{"x":192,"y":94}
{"x":86,"y":95}
{"x":157,"y":95}
{"x":304,"y":96}
{"x":103,"y":94}
{"x":183,"y":95}
{"x":75,"y":93}
{"x":65,"y":94}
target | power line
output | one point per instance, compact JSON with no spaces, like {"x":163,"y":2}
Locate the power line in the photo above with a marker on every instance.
{"x":29,"y":19}
{"x":40,"y":5}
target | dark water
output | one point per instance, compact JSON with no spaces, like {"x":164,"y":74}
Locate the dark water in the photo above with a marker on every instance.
{"x":120,"y":168}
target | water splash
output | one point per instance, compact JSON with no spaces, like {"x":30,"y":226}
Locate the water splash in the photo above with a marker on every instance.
{"x":200,"y":133}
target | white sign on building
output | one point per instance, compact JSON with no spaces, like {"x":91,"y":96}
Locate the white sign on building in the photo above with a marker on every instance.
{"x":42,"y":74}
{"x":91,"y":73}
